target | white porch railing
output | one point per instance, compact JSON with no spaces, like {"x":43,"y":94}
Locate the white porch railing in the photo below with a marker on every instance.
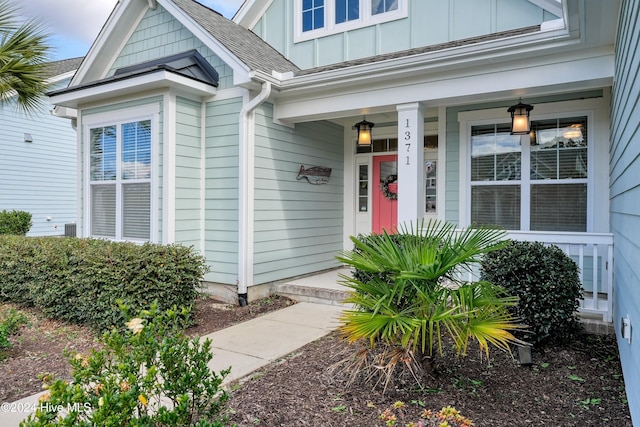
{"x":593,"y":252}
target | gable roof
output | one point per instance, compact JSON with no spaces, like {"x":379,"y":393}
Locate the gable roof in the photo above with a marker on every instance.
{"x":241,"y":42}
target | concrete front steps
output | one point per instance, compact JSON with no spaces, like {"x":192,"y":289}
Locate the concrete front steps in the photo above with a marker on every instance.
{"x":321,"y":288}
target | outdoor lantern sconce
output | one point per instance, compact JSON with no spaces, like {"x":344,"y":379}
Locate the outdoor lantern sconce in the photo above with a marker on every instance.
{"x":520,"y":124}
{"x":364,"y":132}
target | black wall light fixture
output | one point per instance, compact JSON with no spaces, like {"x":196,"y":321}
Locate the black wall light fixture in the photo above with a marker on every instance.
{"x":364,"y":132}
{"x":520,"y":124}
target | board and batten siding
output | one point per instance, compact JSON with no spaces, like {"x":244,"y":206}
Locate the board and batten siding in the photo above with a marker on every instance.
{"x":430,"y":22}
{"x":298,"y":226}
{"x":188,"y":184}
{"x":157,"y":153}
{"x":625,"y":196}
{"x":39,"y":177}
{"x":221,"y":190}
{"x":159,"y":35}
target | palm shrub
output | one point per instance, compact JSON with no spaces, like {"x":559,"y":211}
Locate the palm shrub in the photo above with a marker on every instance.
{"x":407,"y":295}
{"x":547,"y":282}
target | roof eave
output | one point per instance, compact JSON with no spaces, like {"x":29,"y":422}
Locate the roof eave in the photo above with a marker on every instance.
{"x":73,"y":97}
{"x":464,"y":56}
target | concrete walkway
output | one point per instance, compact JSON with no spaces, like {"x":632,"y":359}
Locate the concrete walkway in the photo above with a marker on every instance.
{"x":251,"y":345}
{"x":245,"y":347}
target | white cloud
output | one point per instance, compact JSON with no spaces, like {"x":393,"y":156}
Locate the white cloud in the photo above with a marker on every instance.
{"x":78,"y":19}
{"x":74,"y":24}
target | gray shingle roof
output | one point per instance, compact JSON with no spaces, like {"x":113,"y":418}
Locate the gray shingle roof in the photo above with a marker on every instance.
{"x":244,"y":44}
{"x":56,"y":68}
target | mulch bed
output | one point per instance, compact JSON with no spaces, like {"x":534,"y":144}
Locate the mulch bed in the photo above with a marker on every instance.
{"x":573,"y":385}
{"x":579,"y":384}
{"x":41,"y":344}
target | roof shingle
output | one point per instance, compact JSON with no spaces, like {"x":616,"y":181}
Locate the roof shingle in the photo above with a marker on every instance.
{"x":244,"y":44}
{"x":56,"y":68}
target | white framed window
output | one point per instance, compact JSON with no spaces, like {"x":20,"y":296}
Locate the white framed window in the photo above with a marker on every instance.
{"x":319,"y":18}
{"x":535,"y":182}
{"x":119,"y":174}
{"x":383,"y":6}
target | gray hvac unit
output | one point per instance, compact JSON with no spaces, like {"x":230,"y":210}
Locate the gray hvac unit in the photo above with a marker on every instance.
{"x":70,"y":230}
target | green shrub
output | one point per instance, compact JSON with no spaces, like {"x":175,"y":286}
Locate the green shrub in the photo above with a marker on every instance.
{"x":407,"y":298}
{"x":547,"y":282}
{"x":81,"y":280}
{"x":15,"y":222}
{"x":150,"y":374}
{"x":10,"y":323}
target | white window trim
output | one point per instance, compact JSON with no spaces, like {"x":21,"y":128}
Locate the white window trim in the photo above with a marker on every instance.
{"x":330,"y":27}
{"x":148,"y":112}
{"x":495,"y":116}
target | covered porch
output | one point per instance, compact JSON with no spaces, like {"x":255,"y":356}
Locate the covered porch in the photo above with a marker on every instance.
{"x":592,"y":252}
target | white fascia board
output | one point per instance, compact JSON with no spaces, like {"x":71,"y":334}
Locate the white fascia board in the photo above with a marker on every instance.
{"x":64,"y":112}
{"x":240,"y":69}
{"x":112,"y":38}
{"x":250,"y":12}
{"x":155,"y":80}
{"x":60,"y":77}
{"x":482,"y":83}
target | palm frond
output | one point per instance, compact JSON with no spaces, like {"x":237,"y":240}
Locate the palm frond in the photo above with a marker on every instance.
{"x":23,"y":56}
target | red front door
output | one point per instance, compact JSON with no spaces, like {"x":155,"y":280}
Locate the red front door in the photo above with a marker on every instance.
{"x":385,"y":193}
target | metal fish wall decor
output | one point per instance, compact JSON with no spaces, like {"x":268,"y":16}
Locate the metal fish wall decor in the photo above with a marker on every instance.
{"x":315,"y":175}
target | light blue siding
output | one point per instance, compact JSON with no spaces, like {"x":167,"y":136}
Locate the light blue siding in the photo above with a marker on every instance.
{"x":625,"y":194}
{"x":188,"y":173}
{"x":158,"y":35}
{"x":39,"y":177}
{"x":298,"y":226}
{"x":222,"y":189}
{"x":429,"y":22}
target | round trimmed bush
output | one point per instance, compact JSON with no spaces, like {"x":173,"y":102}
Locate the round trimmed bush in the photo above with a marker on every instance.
{"x":548,"y":284}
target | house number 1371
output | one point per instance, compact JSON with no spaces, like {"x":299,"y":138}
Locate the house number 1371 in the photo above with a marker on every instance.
{"x":407,"y":137}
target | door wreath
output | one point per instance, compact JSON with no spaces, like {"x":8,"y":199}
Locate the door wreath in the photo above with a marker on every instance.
{"x":389,"y":187}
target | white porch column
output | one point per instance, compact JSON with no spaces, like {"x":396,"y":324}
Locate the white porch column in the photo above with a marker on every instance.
{"x":410,"y":162}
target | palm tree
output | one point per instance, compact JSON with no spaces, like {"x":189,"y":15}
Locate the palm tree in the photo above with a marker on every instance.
{"x":407,"y":295}
{"x":23,"y":56}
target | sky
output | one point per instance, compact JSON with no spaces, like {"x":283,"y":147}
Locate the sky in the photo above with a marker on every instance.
{"x":74,"y":24}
